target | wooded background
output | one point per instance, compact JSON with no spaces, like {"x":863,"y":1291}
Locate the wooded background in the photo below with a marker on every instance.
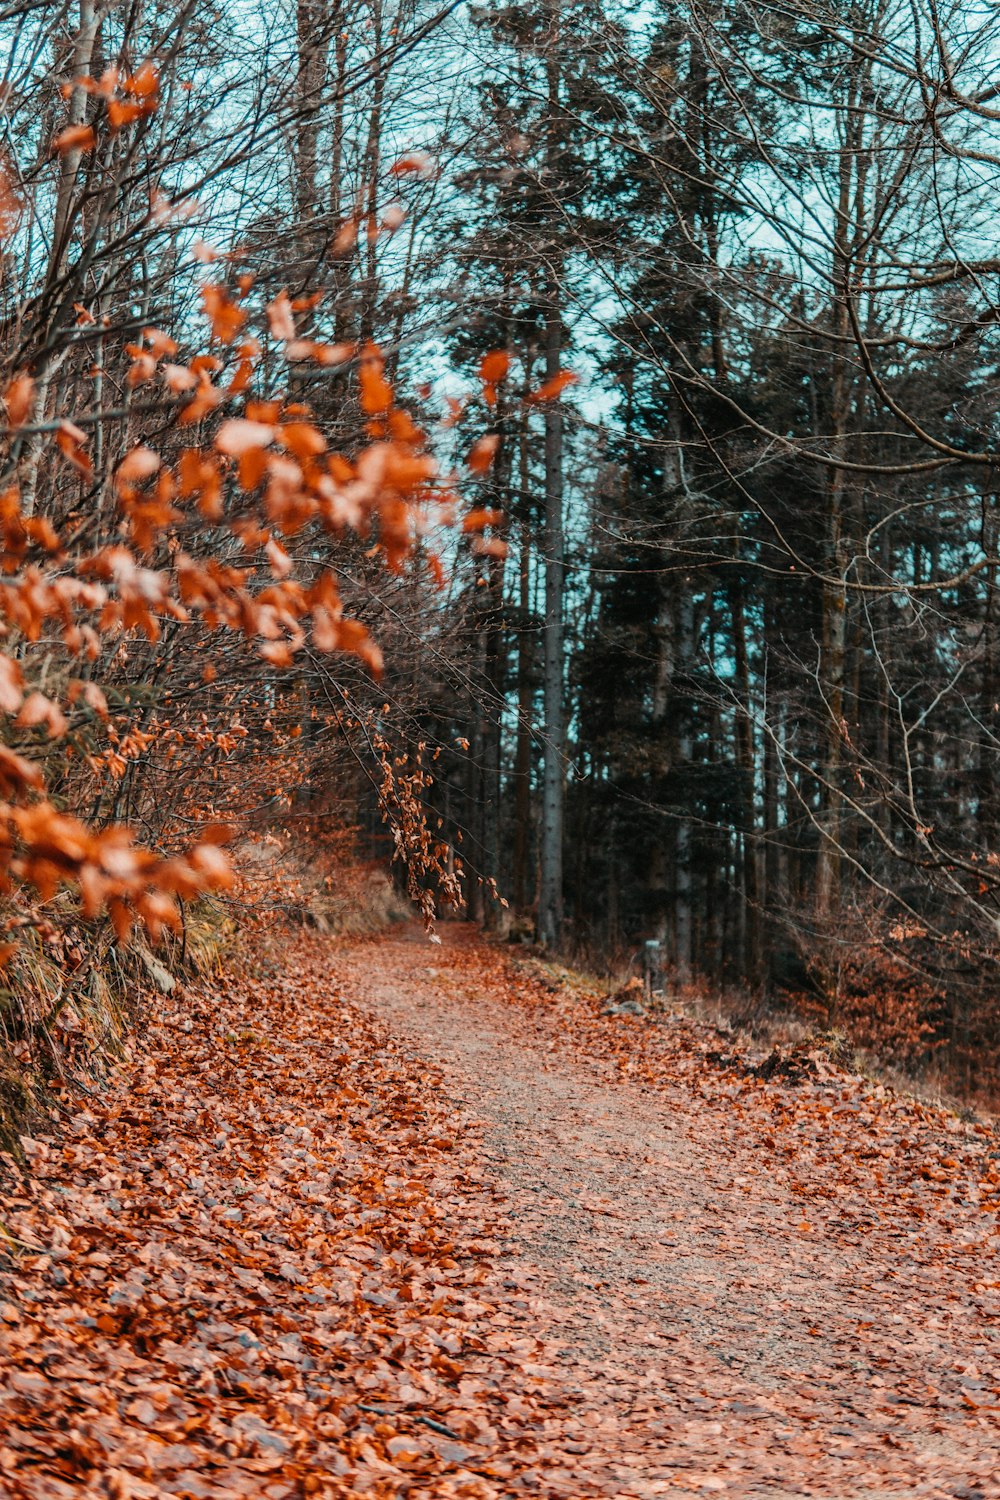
{"x":725,"y":669}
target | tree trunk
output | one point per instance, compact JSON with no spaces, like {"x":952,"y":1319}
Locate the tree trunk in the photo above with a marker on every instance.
{"x":683,"y":914}
{"x":750,"y":959}
{"x":494,"y":685}
{"x":523,"y":884}
{"x":550,"y":899}
{"x":76,"y":114}
{"x":657,"y":880}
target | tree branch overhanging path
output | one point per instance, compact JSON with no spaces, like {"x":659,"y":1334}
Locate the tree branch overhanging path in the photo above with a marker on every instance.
{"x":390,"y":1219}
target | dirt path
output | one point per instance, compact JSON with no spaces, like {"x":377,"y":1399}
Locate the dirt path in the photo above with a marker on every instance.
{"x":713,"y":1332}
{"x":393,"y":1219}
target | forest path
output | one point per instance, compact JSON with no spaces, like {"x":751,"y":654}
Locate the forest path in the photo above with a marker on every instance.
{"x":764,"y":1291}
{"x":384,"y":1218}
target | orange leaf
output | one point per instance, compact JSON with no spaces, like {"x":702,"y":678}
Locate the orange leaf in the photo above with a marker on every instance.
{"x":491,"y":547}
{"x":241,"y":379}
{"x":222,"y":312}
{"x":178,"y":378}
{"x":554,"y":387}
{"x":455,"y":410}
{"x":277,"y":653}
{"x":346,"y":237}
{"x":144,"y":84}
{"x":355,"y":639}
{"x":161,"y":343}
{"x":416,"y":162}
{"x":216,"y":833}
{"x":11,"y":205}
{"x":302,"y":439}
{"x":308,"y":301}
{"x":332,"y":354}
{"x":279,"y":318}
{"x":477,"y":519}
{"x":483,"y":453}
{"x":281,"y":563}
{"x":40,"y":529}
{"x":11,"y":685}
{"x":75,"y":138}
{"x":494,"y":366}
{"x":138,"y":465}
{"x":252,"y":466}
{"x":121,"y":918}
{"x":16,"y":773}
{"x":95,"y":699}
{"x":19,"y":398}
{"x":69,"y":441}
{"x":205,"y":398}
{"x":237,"y":436}
{"x":104,"y":86}
{"x":37,"y":709}
{"x":143,"y":365}
{"x":376,"y":392}
{"x":120,"y":113}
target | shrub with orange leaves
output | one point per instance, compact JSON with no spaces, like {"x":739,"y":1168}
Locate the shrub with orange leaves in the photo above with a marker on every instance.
{"x":210,"y":538}
{"x":186,"y":535}
{"x":872,"y":982}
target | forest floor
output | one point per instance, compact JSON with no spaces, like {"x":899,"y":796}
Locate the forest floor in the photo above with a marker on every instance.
{"x":385,"y":1218}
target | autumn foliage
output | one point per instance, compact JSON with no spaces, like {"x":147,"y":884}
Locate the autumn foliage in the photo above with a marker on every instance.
{"x":263,"y":477}
{"x":223,"y":529}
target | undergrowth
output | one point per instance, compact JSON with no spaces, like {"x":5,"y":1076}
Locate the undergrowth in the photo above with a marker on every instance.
{"x":71,"y":994}
{"x":764,"y":1028}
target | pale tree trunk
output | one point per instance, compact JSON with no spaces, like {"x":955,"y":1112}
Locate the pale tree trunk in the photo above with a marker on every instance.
{"x":550,"y":899}
{"x":369,"y":187}
{"x":76,"y":114}
{"x":833,"y":665}
{"x":313,"y":26}
{"x":494,"y":682}
{"x":69,"y":167}
{"x":746,"y":760}
{"x":523,"y":893}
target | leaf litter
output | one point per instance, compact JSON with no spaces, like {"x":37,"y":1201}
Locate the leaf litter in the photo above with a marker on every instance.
{"x":388,"y":1219}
